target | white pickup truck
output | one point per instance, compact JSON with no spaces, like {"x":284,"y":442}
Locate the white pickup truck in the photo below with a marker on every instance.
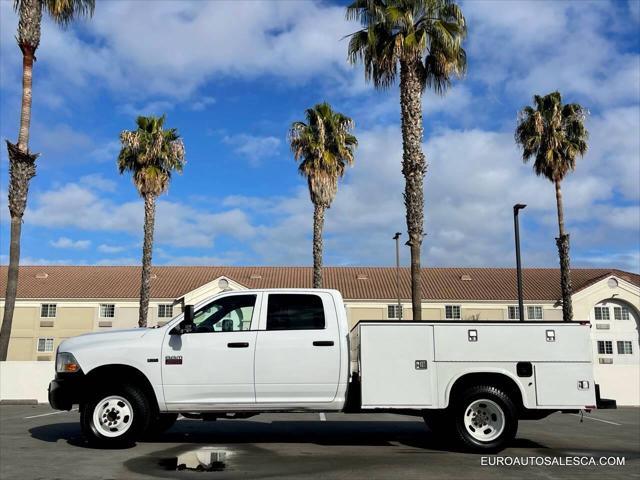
{"x":242,"y":353}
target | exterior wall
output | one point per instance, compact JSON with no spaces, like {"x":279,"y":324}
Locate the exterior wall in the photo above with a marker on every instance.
{"x":25,"y":380}
{"x":73,"y":317}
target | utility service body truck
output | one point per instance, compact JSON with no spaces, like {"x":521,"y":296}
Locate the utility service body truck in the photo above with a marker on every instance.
{"x":290,"y":350}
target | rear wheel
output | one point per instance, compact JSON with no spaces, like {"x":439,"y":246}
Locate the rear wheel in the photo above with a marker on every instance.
{"x":115,"y":416}
{"x":484,"y":419}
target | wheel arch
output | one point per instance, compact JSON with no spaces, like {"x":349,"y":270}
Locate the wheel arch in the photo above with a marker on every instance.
{"x":119,"y":374}
{"x":498,"y":378}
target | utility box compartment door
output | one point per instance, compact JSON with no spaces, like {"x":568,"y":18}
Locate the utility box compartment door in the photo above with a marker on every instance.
{"x":396,"y":365}
{"x":560,"y":384}
{"x":513,"y":342}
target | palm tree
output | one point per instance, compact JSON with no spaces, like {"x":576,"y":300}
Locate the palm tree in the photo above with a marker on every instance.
{"x":324,"y":146}
{"x":554,"y":135}
{"x":22,"y":162}
{"x":425,"y":38}
{"x":151,"y":154}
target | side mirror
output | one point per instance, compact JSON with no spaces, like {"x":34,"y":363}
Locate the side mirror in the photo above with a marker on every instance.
{"x":186,"y":325}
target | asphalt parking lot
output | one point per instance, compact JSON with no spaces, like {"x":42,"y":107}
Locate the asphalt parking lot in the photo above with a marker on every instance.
{"x":39,"y":443}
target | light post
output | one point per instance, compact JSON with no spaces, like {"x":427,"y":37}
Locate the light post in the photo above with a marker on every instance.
{"x":516,"y":209}
{"x":397,"y":239}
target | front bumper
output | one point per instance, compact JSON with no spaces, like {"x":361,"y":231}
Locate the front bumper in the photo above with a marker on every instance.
{"x":66,"y":390}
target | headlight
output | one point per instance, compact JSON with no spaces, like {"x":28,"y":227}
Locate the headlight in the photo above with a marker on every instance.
{"x":66,"y":363}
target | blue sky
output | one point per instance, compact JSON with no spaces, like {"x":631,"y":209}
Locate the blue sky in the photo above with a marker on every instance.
{"x":232,"y":76}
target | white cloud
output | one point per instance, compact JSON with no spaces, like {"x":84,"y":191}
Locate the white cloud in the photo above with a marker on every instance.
{"x":105,"y":248}
{"x":98,"y":182}
{"x":177,"y":224}
{"x":254,"y":148}
{"x":201,"y":103}
{"x":187,"y":42}
{"x":552,"y":45}
{"x":65,"y":242}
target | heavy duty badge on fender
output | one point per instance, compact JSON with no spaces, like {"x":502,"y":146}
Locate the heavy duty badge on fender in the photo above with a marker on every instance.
{"x":173,"y":360}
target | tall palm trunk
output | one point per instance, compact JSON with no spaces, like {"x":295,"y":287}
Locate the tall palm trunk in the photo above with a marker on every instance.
{"x":563,"y":250}
{"x":145,"y":285}
{"x":318,"y":225}
{"x":413,"y":169}
{"x":22,"y":166}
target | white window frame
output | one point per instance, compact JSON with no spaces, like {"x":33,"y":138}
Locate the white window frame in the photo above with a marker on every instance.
{"x":103,"y":309}
{"x":601,"y":309}
{"x":49,"y":308}
{"x":397,"y":312}
{"x":513,"y":312}
{"x":621,"y":313}
{"x":163,"y":307}
{"x":453,"y":309}
{"x":605,"y":344}
{"x":624,"y":350}
{"x":48,"y":343}
{"x":534,"y":308}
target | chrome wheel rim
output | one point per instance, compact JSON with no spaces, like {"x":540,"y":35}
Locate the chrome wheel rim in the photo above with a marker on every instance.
{"x":113,"y":416}
{"x":484,"y":420}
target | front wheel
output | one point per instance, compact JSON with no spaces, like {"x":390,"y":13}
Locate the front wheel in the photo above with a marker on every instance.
{"x":115,"y":416}
{"x":485,"y":419}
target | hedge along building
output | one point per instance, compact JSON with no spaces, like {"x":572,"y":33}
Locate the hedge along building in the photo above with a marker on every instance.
{"x":57,"y":302}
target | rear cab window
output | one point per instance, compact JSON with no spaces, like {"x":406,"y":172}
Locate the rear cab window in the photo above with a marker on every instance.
{"x":295,"y":312}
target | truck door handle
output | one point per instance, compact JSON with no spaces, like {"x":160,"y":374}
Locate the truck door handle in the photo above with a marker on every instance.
{"x":323,"y":343}
{"x":238,"y":345}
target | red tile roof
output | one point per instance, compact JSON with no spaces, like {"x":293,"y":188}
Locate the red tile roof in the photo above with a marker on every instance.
{"x":100,"y":282}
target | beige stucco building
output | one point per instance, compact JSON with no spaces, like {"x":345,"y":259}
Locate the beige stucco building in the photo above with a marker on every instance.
{"x":57,"y":302}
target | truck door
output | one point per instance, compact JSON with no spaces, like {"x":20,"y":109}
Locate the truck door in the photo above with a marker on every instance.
{"x":214,"y":364}
{"x":298,"y":349}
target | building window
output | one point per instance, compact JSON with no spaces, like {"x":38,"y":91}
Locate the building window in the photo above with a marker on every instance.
{"x":107,"y":310}
{"x":534,"y":312}
{"x":602,"y":313}
{"x":624,"y":347}
{"x":452,"y":312}
{"x":394,"y":312}
{"x":45,"y":345}
{"x":621,"y":313}
{"x":48,"y":310}
{"x":605,"y":347}
{"x":165,"y":311}
{"x":514,"y":314}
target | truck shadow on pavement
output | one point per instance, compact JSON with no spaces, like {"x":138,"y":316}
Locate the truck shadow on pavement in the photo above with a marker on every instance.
{"x":330,"y":433}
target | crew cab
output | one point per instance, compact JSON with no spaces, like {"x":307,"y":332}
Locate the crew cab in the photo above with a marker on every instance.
{"x":245,"y":352}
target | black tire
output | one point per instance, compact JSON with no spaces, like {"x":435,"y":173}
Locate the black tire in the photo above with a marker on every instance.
{"x":493,"y":406}
{"x":160,"y":424}
{"x":126,"y":402}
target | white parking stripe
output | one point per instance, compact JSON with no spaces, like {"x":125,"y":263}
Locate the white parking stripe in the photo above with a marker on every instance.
{"x":597,"y":419}
{"x":323,"y":417}
{"x":51,"y":413}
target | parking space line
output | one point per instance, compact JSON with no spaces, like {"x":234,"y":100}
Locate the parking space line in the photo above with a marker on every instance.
{"x":51,"y":413}
{"x":323,"y":417}
{"x":597,"y":419}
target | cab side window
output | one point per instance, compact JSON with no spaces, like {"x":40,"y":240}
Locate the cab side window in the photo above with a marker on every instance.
{"x":295,"y":312}
{"x":228,"y":314}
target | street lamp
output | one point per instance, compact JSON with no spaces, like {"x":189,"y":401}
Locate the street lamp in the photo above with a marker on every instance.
{"x":397,"y":239}
{"x":516,"y":209}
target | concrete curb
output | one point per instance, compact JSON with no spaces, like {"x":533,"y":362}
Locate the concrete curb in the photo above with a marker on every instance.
{"x":20,"y":401}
